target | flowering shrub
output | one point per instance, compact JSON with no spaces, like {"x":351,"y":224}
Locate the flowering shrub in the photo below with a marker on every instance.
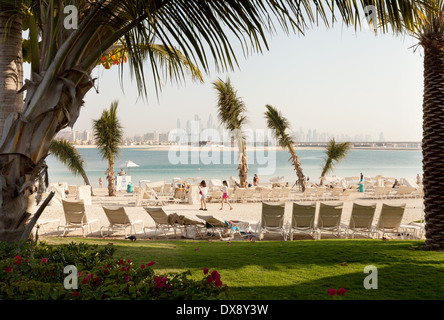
{"x":38,"y":273}
{"x":339,"y":292}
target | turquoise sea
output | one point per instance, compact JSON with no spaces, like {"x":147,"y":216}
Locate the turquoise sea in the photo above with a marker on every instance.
{"x":166,"y":165}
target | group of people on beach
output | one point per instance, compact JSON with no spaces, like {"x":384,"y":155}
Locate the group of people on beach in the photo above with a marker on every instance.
{"x":203,"y":191}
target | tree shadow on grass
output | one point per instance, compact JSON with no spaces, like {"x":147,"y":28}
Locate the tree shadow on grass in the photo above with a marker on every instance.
{"x":425,"y":283}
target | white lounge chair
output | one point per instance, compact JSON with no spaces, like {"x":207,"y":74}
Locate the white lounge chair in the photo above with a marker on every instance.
{"x":272,"y":219}
{"x":265,"y":193}
{"x":361,"y":220}
{"x":238,"y":194}
{"x":215,"y":196}
{"x":84,"y":193}
{"x":75,"y":217}
{"x":303,"y":219}
{"x":248,"y":195}
{"x":320,"y":193}
{"x":308,"y":193}
{"x":275,"y":193}
{"x":390,"y":220}
{"x":216,"y":225}
{"x":329,"y":219}
{"x":160,"y":218}
{"x":119,"y":220}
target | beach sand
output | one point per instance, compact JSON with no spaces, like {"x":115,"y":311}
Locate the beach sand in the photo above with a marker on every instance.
{"x":250,"y":212}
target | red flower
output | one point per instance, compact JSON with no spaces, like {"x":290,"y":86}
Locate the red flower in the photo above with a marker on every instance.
{"x":120,"y":262}
{"x":210,"y":279}
{"x":215,"y":274}
{"x":218,"y":283}
{"x":126,"y":278}
{"x":8,"y":269}
{"x":19,"y":260}
{"x":205,"y":270}
{"x":331,"y":291}
{"x":129,"y":261}
{"x":342,"y":291}
{"x":142,"y":266}
{"x":75,"y":293}
{"x":151,"y":263}
{"x":44,"y":260}
{"x":85,"y":280}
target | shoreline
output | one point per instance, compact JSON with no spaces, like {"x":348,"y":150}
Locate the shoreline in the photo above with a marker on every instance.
{"x":217,"y":148}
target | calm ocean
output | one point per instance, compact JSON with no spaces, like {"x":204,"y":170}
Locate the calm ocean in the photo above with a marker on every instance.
{"x":163,"y":165}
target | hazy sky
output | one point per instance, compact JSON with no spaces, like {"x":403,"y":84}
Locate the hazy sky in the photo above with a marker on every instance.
{"x":333,"y":80}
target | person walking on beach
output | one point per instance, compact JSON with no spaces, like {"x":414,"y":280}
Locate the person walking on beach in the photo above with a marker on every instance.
{"x":100,"y":182}
{"x":225,"y":196}
{"x":362,"y":177}
{"x":203,"y":195}
{"x":255,"y":180}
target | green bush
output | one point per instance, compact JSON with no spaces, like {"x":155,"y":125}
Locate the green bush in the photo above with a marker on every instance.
{"x":37,"y":272}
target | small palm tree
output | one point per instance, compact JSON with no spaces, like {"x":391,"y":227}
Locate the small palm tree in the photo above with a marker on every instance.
{"x":65,"y":152}
{"x":279,"y":124}
{"x":109,"y":136}
{"x":334,"y":153}
{"x":231,"y":113}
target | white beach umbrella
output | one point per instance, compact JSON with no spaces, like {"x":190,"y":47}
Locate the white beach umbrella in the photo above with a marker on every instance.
{"x":128,"y":164}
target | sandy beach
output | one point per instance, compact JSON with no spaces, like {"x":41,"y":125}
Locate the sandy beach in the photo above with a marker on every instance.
{"x":250,"y":212}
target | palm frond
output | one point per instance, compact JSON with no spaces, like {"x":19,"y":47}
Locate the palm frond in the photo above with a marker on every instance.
{"x":66,"y":153}
{"x":279,"y":124}
{"x":334,"y":153}
{"x":230,"y":108}
{"x":108,"y":132}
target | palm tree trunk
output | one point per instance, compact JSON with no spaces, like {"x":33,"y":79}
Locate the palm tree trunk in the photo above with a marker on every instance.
{"x":243,"y":166}
{"x":324,"y":170}
{"x":297,"y":168}
{"x":111,"y":178}
{"x":13,"y":205}
{"x":11,"y":65}
{"x":433,"y":146}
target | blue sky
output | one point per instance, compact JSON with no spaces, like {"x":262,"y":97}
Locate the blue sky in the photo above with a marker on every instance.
{"x":332,"y":80}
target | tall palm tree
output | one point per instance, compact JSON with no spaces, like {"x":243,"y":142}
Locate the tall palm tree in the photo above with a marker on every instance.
{"x":334,"y":152}
{"x":280,"y":126}
{"x":65,"y":152}
{"x":231,"y":113}
{"x":62,"y":60}
{"x":109,"y":136}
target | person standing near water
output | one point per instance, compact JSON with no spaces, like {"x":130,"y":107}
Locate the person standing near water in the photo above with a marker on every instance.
{"x":100,"y":182}
{"x":362,"y":177}
{"x":255,"y":179}
{"x":203,"y":195}
{"x":225,"y":196}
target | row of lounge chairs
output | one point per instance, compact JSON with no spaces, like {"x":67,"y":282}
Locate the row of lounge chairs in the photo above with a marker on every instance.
{"x":388,"y":192}
{"x":329,"y":220}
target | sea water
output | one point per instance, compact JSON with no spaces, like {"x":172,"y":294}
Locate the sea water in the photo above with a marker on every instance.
{"x":156,"y":165}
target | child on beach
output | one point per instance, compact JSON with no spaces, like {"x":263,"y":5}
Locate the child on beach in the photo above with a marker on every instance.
{"x":225,"y":196}
{"x":203,"y":195}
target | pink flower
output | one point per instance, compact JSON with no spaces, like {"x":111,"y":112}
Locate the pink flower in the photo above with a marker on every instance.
{"x":8,"y":269}
{"x":44,"y":260}
{"x":218,"y":283}
{"x":331,"y":291}
{"x":126,"y":278}
{"x":120,"y":262}
{"x":342,"y":291}
{"x":129,"y":261}
{"x":19,"y":260}
{"x":151,"y":263}
{"x":205,"y":270}
{"x":210,"y":279}
{"x":142,"y":266}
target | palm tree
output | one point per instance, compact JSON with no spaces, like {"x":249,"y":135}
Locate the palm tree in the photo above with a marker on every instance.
{"x":231,"y":113}
{"x":280,"y":125}
{"x":334,"y":153}
{"x":109,"y":136}
{"x":62,"y":60}
{"x":65,"y":152}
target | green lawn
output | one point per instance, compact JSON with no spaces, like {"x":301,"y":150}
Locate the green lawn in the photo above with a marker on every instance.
{"x":287,"y":270}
